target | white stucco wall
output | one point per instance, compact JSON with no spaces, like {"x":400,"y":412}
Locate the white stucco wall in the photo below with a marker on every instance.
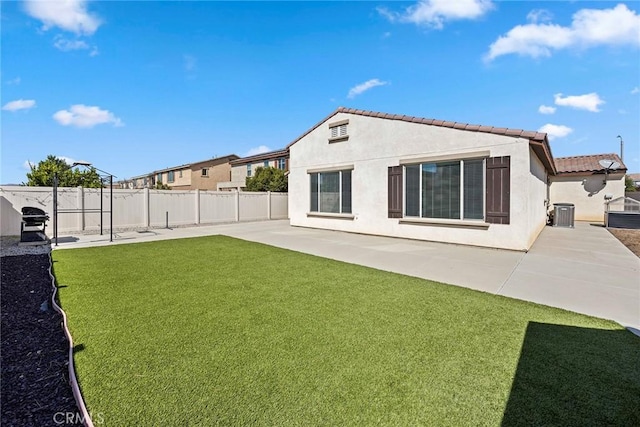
{"x":539,"y":192}
{"x":375,"y":144}
{"x":587,"y":193}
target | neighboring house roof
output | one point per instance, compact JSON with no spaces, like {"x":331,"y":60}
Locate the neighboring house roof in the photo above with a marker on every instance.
{"x":216,"y":160}
{"x":538,"y":140}
{"x":588,"y":164}
{"x":175,"y":168}
{"x":262,"y":156}
{"x":634,"y":176}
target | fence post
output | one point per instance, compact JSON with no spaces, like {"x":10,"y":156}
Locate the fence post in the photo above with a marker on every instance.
{"x":237,"y":197}
{"x":80,"y":207}
{"x":268,"y":204}
{"x":145,"y":208}
{"x":197,"y":205}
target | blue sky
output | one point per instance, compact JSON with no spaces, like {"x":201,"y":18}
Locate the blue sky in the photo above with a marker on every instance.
{"x":134,"y":87}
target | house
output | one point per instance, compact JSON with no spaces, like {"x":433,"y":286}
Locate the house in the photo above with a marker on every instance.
{"x":245,"y":167}
{"x":202,"y":175}
{"x":206,"y":175}
{"x":177,"y":177}
{"x":588,"y":184}
{"x":410,"y":177}
{"x":635,"y":178}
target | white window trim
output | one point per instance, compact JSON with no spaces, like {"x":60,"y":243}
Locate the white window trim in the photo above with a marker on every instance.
{"x":330,"y":215}
{"x":465,"y":223}
{"x":446,"y":157}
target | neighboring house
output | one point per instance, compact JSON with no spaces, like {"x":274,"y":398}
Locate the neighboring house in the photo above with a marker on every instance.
{"x":178,"y":177}
{"x":207,"y":174}
{"x":402,"y":176}
{"x":245,"y":167}
{"x":202,"y":175}
{"x":582,"y":180}
{"x":635,"y":177}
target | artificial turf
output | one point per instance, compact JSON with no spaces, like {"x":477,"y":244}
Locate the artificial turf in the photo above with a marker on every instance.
{"x":220,"y":331}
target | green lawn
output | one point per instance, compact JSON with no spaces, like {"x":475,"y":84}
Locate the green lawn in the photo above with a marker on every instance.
{"x":219,"y":331}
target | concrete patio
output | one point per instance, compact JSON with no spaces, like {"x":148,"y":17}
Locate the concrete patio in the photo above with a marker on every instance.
{"x":584,"y":269}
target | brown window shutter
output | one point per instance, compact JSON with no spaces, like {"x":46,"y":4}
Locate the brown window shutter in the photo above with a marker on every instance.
{"x":395,"y":192}
{"x":498,"y":190}
{"x":286,"y":164}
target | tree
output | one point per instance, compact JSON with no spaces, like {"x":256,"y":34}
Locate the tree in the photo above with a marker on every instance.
{"x":629,"y":185}
{"x":267,"y":179}
{"x":161,"y":186}
{"x":42,"y":174}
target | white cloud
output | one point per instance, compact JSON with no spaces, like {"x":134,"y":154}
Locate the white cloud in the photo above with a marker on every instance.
{"x":19,"y":104}
{"x":84,"y":116}
{"x":635,"y":90}
{"x":555,"y":131}
{"x":68,"y":15}
{"x":257,"y":150}
{"x":539,"y":15}
{"x":545,"y":109}
{"x":589,"y":27}
{"x":15,"y":81}
{"x":434,"y":13}
{"x":67,"y":160}
{"x":66,"y":45}
{"x":363,"y":87}
{"x":589,"y":101}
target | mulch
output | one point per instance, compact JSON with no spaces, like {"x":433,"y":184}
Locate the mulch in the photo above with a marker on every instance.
{"x":34,"y":351}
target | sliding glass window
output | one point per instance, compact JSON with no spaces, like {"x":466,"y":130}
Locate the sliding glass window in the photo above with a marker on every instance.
{"x":448,"y":190}
{"x":330,"y":192}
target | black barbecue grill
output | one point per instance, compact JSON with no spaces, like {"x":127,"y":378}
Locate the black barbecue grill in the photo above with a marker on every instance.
{"x":34,"y":222}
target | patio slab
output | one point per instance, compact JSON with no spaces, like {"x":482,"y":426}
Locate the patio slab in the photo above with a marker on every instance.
{"x":584,"y":269}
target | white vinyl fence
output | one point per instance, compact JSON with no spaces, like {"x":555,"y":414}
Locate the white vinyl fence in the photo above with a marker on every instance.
{"x":79,"y":208}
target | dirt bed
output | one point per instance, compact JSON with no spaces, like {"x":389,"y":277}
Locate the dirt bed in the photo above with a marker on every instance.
{"x":35,"y":376}
{"x":629,"y":238}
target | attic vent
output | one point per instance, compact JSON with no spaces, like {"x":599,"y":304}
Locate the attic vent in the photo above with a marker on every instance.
{"x":338,"y":131}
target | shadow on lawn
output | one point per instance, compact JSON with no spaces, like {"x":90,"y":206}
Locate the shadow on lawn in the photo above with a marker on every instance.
{"x":571,"y":376}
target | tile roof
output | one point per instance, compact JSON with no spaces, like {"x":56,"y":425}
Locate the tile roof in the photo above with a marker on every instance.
{"x":538,"y":140}
{"x":531,"y":135}
{"x":588,"y":163}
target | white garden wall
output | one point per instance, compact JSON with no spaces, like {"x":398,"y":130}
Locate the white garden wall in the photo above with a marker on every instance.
{"x":79,"y":208}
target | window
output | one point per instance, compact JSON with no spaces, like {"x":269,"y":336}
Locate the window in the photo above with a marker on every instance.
{"x":170,"y":176}
{"x":249,"y":169}
{"x":331,"y":192}
{"x":448,"y":190}
{"x":282,"y":164}
{"x":180,"y":173}
{"x":159,"y":178}
{"x":205,"y":172}
{"x":338,"y":131}
{"x":266,"y":163}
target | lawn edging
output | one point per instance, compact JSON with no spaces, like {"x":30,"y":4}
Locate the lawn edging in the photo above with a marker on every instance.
{"x":73,"y":380}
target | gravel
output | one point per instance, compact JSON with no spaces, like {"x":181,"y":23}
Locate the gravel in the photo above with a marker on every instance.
{"x":34,"y":349}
